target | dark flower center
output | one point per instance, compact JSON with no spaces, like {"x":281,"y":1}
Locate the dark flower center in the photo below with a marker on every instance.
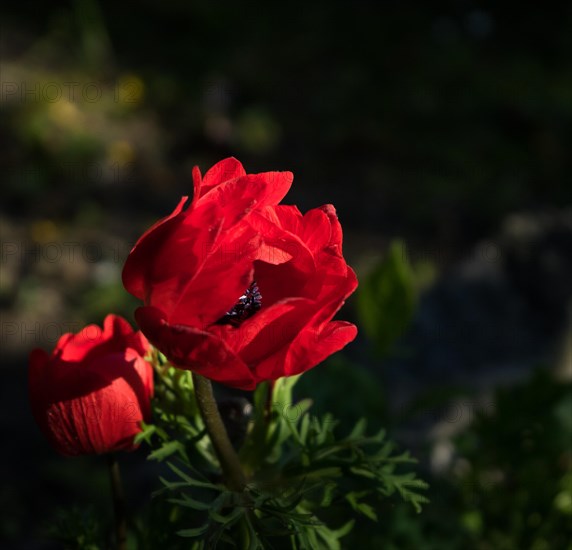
{"x":248,"y":304}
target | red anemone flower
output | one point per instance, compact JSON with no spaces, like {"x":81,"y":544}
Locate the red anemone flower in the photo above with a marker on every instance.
{"x":238,"y":288}
{"x":91,"y":394}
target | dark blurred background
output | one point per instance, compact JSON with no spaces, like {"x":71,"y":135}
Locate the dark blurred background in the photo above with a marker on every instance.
{"x":442,"y":133}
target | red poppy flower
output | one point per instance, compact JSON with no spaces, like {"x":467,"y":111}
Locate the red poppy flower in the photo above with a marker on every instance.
{"x":238,"y":288}
{"x":91,"y":394}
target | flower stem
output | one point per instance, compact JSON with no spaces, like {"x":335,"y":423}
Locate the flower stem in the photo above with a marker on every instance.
{"x":119,"y":508}
{"x":268,"y":404}
{"x":229,"y":461}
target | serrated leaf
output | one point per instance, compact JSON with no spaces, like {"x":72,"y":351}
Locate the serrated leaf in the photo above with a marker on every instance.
{"x":359,"y":429}
{"x":282,"y":390}
{"x":363,"y":473}
{"x":228,"y":519}
{"x":329,"y":492}
{"x":188,"y":480}
{"x":188,"y":502}
{"x":250,"y":537}
{"x":344,"y":529}
{"x":361,"y":507}
{"x":166,"y":450}
{"x":193,"y":533}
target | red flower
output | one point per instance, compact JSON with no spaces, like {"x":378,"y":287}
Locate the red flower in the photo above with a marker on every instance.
{"x":91,"y":394}
{"x":238,"y":288}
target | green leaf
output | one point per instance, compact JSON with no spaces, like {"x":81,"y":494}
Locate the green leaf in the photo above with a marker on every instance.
{"x":344,"y":529}
{"x":146,"y":433}
{"x":228,"y":519}
{"x":188,"y":502}
{"x":166,"y":450}
{"x":282,"y":391}
{"x":361,"y":507}
{"x":188,"y":480}
{"x":329,"y":492}
{"x":193,"y":533}
{"x":359,"y":429}
{"x":363,"y":473}
{"x":386,"y":299}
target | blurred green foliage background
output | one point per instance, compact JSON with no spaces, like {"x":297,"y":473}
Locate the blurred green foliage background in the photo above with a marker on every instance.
{"x":441,"y":131}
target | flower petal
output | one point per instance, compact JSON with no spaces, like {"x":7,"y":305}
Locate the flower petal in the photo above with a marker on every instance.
{"x":104,"y":413}
{"x":267,"y":330}
{"x":312,"y":346}
{"x":257,"y":190}
{"x":193,"y":349}
{"x":336,"y":228}
{"x":91,"y":394}
{"x":308,"y":350}
{"x":216,"y":287}
{"x":138,"y":269}
{"x":317,"y":230}
{"x":225,"y":170}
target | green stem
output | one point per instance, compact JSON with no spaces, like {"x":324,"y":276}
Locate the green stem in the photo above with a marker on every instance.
{"x":268,"y":404}
{"x":119,"y":508}
{"x":229,"y":461}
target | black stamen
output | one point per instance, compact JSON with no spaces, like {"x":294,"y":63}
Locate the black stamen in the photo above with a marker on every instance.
{"x":248,"y":304}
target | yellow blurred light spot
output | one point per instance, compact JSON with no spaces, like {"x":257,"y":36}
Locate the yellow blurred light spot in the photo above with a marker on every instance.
{"x":563,"y":502}
{"x":130,"y":90}
{"x":65,"y":114}
{"x":44,"y":231}
{"x":473,"y":521}
{"x":120,"y":152}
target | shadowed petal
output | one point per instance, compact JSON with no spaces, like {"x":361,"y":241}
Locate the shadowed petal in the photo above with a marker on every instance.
{"x":194,"y":349}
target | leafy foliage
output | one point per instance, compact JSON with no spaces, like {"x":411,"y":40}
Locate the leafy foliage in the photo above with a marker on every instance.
{"x":298,"y":472}
{"x":510,"y":485}
{"x":517,"y":492}
{"x":178,"y":429}
{"x":76,"y":529}
{"x":348,"y":378}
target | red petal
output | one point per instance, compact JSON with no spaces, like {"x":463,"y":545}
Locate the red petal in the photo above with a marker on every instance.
{"x":139,"y":266}
{"x":122,"y":336}
{"x":334,"y":300}
{"x":200,"y":351}
{"x":307,"y":319}
{"x":197,"y":183}
{"x":336,"y":238}
{"x":90,"y":407}
{"x":285,"y":267}
{"x":317,"y":231}
{"x":106,"y":406}
{"x":227,"y":169}
{"x":260,"y":189}
{"x":313,"y":346}
{"x":280,"y":246}
{"x":174,"y":259}
{"x":116,"y":336}
{"x":267,"y":331}
{"x":278,"y":185}
{"x":210,"y":230}
{"x":334,"y":292}
{"x":292,"y":317}
{"x":38,"y":359}
{"x":288,"y":217}
{"x":307,"y":351}
{"x":217,"y":285}
{"x":77,"y":347}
